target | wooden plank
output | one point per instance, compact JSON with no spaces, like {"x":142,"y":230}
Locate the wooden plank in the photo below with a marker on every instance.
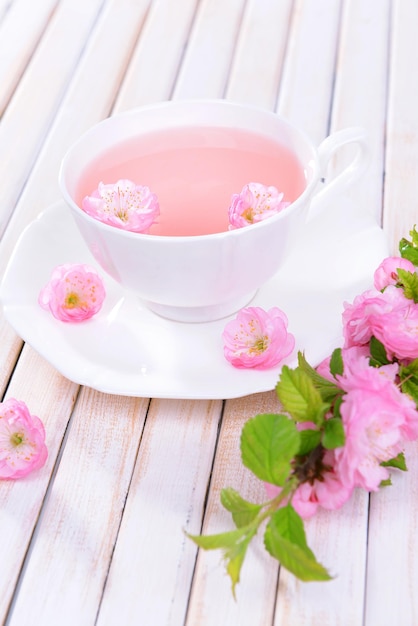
{"x":89,"y":99}
{"x":79,"y":98}
{"x":342,"y":39}
{"x":307,"y":84}
{"x":129,"y":16}
{"x":51,"y":397}
{"x":359,"y":99}
{"x":389,"y":598}
{"x":80,"y":520}
{"x":392,"y":572}
{"x":361,"y":92}
{"x":166,"y":497}
{"x":10,"y":347}
{"x":20,"y":32}
{"x":23,"y":127}
{"x":401,"y":180}
{"x":77,"y":113}
{"x":392,"y":511}
{"x":154,"y":65}
{"x":392,"y":564}
{"x":338,"y":540}
{"x":306,"y":97}
{"x":4,"y":8}
{"x":206,"y":65}
{"x":259,"y":54}
{"x":204,"y":73}
{"x":211,"y":600}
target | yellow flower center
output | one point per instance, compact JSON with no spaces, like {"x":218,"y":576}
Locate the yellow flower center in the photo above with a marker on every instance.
{"x":260,"y":345}
{"x":72,"y":300}
{"x":16,"y":439}
{"x":248,"y":214}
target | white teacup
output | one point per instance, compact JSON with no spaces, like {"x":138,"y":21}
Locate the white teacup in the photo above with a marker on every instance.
{"x":199,"y":277}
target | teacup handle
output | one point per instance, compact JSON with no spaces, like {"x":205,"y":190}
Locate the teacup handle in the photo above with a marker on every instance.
{"x":351,"y":172}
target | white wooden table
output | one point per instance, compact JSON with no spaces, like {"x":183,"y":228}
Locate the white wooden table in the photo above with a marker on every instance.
{"x":97,"y":535}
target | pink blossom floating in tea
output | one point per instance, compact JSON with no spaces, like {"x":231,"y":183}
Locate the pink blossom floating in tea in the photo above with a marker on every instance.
{"x":124,"y":205}
{"x":257,"y":338}
{"x":22,"y":440}
{"x":255,"y":203}
{"x":74,"y":293}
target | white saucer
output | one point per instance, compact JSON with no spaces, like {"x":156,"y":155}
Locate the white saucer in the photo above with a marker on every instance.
{"x":128,"y":350}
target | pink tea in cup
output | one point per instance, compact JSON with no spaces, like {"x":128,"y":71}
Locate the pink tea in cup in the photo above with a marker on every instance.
{"x":194,"y":172}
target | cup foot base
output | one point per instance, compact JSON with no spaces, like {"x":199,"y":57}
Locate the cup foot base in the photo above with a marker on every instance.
{"x":200,"y":314}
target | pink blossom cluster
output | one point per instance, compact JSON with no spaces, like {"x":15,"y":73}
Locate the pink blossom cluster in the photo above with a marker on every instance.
{"x":378,"y":419}
{"x":385,"y":313}
{"x":22,"y":440}
{"x":123,"y":204}
{"x":377,"y":416}
{"x":255,"y":202}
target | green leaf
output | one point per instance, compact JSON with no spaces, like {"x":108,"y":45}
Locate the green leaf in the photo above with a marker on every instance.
{"x":326,"y":388}
{"x":220,"y":541}
{"x":234,"y":559}
{"x":234,"y":546}
{"x":398,"y":461}
{"x":268,"y":444}
{"x":243,"y":512}
{"x":309,"y":440}
{"x":386,"y":483}
{"x":414,"y":236}
{"x":409,"y":249}
{"x":378,"y":353}
{"x":410,"y":387}
{"x":334,"y":436}
{"x":285,"y":540}
{"x":336,"y":364}
{"x":299,"y":397}
{"x":410,"y":370}
{"x":409,"y":282}
{"x":289,"y":524}
{"x":409,"y":380}
{"x":337,"y":404}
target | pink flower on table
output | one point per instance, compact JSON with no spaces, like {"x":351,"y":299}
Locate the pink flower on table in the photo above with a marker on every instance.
{"x":124,"y":205}
{"x":22,"y":440}
{"x":74,"y":293}
{"x":256,"y":202}
{"x":389,"y":316}
{"x":387,"y":272}
{"x":257,"y":338}
{"x":377,"y":417}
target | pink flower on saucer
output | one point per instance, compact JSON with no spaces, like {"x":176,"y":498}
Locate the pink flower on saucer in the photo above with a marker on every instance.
{"x":73,"y":294}
{"x":22,"y":440}
{"x":124,"y":205}
{"x":255,"y":203}
{"x":257,"y":338}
